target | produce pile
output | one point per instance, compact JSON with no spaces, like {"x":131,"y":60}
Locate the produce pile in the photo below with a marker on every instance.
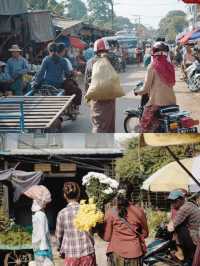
{"x":11,"y":234}
{"x":16,"y":236}
{"x":5,"y":222}
{"x":155,"y":219}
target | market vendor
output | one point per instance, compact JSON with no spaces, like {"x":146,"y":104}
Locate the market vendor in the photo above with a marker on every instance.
{"x":17,"y":66}
{"x":5,"y":80}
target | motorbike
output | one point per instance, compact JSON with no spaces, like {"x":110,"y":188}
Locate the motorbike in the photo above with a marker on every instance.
{"x":193,"y":76}
{"x":49,"y":90}
{"x":171,"y":118}
{"x":163,"y":250}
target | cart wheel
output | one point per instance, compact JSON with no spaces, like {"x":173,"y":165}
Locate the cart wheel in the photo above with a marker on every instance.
{"x":17,"y":259}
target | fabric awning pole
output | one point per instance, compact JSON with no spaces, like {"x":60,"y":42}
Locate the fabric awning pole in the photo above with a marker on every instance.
{"x":183,"y":166}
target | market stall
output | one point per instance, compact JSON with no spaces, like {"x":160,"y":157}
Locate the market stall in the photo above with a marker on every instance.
{"x":15,"y":240}
{"x":24,"y":27}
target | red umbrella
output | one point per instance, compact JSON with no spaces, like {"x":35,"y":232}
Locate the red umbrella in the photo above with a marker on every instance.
{"x":77,"y":43}
{"x":186,"y":37}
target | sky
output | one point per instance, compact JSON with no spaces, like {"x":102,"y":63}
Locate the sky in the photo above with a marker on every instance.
{"x":151,"y":11}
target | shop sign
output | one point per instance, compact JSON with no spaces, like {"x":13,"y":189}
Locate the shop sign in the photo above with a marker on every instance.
{"x":68,"y":167}
{"x":44,"y":167}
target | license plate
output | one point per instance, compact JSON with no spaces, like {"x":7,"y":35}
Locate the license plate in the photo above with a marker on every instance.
{"x":188,"y":130}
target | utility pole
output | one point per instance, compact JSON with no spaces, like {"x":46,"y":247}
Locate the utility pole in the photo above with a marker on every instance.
{"x":195,"y":15}
{"x":112,"y":13}
{"x":138,"y":20}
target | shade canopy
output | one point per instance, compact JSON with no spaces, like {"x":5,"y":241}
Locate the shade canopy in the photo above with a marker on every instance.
{"x":77,"y":43}
{"x":172,"y":176}
{"x":195,"y":36}
{"x":168,"y":139}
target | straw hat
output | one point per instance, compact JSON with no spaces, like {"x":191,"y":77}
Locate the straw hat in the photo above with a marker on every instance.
{"x":15,"y":48}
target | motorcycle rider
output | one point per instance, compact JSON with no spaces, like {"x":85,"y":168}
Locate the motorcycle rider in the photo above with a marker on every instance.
{"x":193,"y":71}
{"x":53,"y":69}
{"x":158,"y":85}
{"x":188,"y":59}
{"x":186,"y":223}
{"x":70,"y":85}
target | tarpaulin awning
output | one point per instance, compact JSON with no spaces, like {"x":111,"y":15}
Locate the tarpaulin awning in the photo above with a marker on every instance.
{"x":195,"y":36}
{"x":186,"y":37}
{"x":77,"y":43}
{"x":172,"y":176}
{"x":20,"y":180}
{"x":38,"y":21}
{"x":13,"y":7}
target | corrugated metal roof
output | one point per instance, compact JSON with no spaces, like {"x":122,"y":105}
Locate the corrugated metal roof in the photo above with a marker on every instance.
{"x":101,"y":151}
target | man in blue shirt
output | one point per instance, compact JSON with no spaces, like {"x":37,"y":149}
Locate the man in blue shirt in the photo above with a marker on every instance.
{"x":89,"y":53}
{"x":53,"y":69}
{"x":17,"y":66}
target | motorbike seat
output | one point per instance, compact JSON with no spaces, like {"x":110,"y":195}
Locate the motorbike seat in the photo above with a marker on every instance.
{"x":168,"y":109}
{"x":156,"y":246}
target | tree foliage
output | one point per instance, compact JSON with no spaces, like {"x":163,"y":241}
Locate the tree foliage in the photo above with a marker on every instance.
{"x":76,"y":9}
{"x":172,"y":24}
{"x":138,"y":164}
{"x":122,"y":23}
{"x":99,"y":11}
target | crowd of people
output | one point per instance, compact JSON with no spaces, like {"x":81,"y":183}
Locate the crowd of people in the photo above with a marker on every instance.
{"x":125,"y":228}
{"x":59,"y":64}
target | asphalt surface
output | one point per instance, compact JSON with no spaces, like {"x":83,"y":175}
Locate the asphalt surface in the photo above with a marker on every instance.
{"x":83,"y":125}
{"x":188,"y":101}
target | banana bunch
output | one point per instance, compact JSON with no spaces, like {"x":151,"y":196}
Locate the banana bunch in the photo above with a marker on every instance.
{"x":15,"y":237}
{"x":5,"y":222}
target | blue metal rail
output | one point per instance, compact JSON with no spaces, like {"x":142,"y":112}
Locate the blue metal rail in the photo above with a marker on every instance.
{"x":13,"y":115}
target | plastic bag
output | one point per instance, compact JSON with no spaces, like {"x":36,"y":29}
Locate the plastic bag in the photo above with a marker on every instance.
{"x":105,"y":84}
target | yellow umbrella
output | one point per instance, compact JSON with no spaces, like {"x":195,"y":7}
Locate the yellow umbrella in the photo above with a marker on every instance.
{"x":168,"y":139}
{"x":171,"y":177}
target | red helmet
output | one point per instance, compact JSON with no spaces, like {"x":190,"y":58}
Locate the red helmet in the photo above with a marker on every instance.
{"x":101,"y":45}
{"x":160,"y":47}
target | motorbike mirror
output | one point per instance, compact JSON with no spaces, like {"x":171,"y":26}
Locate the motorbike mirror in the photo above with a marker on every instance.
{"x":140,"y":84}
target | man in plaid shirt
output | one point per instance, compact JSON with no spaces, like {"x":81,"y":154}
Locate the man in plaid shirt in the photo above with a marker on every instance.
{"x":76,"y":246}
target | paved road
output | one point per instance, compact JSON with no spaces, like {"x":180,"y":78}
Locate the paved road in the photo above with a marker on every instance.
{"x":187,"y":100}
{"x":83,"y":125}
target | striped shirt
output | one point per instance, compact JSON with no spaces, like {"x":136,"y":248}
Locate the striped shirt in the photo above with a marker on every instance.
{"x":189,"y":213}
{"x":74,"y":244}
